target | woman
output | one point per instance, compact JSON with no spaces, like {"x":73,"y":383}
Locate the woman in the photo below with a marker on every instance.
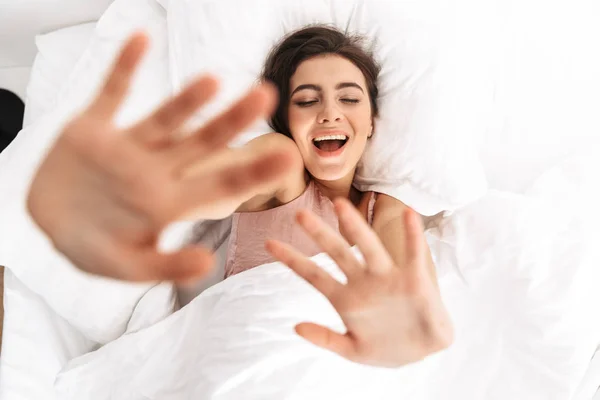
{"x":107,"y":216}
{"x":328,"y":102}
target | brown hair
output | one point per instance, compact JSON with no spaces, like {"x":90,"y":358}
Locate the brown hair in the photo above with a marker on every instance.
{"x":284,"y":59}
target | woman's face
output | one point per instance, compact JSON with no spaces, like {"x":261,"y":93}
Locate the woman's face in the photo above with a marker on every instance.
{"x":329,"y":115}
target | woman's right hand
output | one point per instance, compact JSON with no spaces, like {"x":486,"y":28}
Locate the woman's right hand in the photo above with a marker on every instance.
{"x":103,"y":195}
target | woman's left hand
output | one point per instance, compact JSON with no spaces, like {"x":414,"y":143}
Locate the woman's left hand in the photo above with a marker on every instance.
{"x":393,"y":313}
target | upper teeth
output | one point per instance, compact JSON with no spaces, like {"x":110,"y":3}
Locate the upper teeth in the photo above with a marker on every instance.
{"x":330,"y":137}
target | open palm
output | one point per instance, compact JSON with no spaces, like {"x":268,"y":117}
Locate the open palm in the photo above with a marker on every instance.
{"x":393,"y":313}
{"x":103,"y":195}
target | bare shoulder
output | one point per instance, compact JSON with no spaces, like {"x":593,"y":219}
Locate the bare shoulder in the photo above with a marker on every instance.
{"x":387,"y":208}
{"x":385,"y":202}
{"x":290,"y":186}
{"x":272,"y":140}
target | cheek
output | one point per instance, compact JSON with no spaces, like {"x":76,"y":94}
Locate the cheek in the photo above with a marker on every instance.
{"x":296,"y":125}
{"x":299,"y":121}
{"x":361,"y":122}
{"x":294,"y":119}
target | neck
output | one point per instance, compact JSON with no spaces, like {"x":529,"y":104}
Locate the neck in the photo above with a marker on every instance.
{"x":339,"y":188}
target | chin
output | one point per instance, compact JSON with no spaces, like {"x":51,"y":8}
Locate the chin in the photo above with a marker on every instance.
{"x":329,"y":172}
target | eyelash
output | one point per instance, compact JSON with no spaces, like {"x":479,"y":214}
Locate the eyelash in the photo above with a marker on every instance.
{"x":305,"y":103}
{"x":311,"y":102}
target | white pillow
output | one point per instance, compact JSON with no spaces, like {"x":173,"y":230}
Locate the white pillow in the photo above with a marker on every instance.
{"x":36,"y":343}
{"x":58,"y":53}
{"x":99,"y":308}
{"x":546,"y":87}
{"x":423,"y":150}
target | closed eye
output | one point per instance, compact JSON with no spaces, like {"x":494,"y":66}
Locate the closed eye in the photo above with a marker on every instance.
{"x":350,"y":101}
{"x":305,"y":103}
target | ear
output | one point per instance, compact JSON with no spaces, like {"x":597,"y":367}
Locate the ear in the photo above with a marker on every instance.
{"x":370,"y":132}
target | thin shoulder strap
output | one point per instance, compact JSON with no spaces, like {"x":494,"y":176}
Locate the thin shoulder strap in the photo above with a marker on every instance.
{"x":371,"y":208}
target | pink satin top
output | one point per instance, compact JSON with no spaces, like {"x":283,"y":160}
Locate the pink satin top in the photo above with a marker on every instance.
{"x":250,"y":230}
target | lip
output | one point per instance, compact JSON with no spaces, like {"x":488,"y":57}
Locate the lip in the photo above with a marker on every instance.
{"x":328,"y":132}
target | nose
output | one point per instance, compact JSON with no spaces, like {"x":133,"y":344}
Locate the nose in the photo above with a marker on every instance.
{"x":330,"y":113}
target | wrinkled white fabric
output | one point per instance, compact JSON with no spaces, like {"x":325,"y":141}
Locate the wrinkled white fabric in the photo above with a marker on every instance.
{"x":518,"y":274}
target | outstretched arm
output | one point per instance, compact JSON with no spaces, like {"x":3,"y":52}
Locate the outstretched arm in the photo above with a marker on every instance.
{"x":260,"y":194}
{"x":104,"y":194}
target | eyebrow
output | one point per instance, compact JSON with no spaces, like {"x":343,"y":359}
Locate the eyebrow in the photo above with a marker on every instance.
{"x":317,"y":88}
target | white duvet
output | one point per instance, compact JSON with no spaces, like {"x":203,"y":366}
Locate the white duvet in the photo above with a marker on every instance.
{"x":519,"y":274}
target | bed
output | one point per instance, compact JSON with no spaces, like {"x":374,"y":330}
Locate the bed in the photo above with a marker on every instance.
{"x":51,"y":348}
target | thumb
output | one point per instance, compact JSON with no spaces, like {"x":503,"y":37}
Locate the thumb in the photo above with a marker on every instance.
{"x":327,"y":339}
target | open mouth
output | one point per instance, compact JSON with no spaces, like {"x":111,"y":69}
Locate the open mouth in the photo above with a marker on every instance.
{"x":330,"y":143}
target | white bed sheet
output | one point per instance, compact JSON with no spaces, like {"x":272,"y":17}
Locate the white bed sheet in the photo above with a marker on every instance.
{"x":590,"y":384}
{"x":37,"y":344}
{"x":37,"y":340}
{"x":521,"y":292}
{"x":514,"y":154}
{"x":99,"y":307}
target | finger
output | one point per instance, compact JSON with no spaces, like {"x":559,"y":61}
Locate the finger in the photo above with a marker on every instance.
{"x":258,"y":103}
{"x":157,"y":129}
{"x":327,"y":339}
{"x":415,"y":239}
{"x":118,"y":82}
{"x":149,"y":265}
{"x":358,"y":231}
{"x":233,"y":181}
{"x":305,"y":268}
{"x":331,"y":242}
